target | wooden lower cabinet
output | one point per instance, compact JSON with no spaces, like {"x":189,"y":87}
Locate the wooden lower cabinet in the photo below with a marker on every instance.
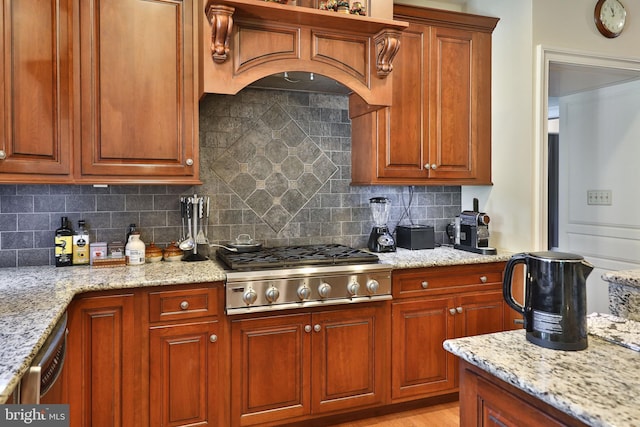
{"x":183,"y":366}
{"x":487,"y":401}
{"x":288,"y":367}
{"x":433,"y":305}
{"x":102,"y":362}
{"x":146,"y":357}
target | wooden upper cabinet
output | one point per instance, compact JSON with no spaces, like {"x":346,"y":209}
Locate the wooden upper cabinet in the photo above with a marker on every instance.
{"x":438,"y":129}
{"x":138,"y":91}
{"x":36,"y":105}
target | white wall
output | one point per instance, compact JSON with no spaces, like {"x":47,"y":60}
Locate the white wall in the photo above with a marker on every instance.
{"x":514,"y":201}
{"x":599,"y":147}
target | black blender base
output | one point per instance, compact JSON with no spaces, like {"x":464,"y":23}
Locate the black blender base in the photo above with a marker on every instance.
{"x":481,"y":251}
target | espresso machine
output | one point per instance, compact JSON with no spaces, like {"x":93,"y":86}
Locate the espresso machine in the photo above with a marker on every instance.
{"x":380,"y":239}
{"x":472,"y":231}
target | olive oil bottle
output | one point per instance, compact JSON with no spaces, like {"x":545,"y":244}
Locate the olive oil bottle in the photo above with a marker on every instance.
{"x":63,"y":241}
{"x":81,"y":245}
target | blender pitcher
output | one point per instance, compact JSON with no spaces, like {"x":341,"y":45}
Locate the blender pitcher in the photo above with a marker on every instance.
{"x":380,"y":240}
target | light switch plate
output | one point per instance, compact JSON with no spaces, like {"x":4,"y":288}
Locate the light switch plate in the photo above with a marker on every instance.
{"x":599,"y":197}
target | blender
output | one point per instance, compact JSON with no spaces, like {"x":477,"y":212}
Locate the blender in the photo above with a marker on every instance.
{"x":380,"y":240}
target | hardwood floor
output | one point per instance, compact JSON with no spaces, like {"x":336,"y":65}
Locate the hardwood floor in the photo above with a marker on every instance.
{"x":442,"y":415}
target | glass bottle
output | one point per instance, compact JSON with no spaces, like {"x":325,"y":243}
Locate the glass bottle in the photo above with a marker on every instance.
{"x":81,"y":254}
{"x":63,"y":244}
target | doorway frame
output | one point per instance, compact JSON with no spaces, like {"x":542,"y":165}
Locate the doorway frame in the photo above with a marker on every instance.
{"x":544,"y":56}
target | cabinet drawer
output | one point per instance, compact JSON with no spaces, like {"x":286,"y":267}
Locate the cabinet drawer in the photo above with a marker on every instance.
{"x":444,"y":280}
{"x":182,"y":304}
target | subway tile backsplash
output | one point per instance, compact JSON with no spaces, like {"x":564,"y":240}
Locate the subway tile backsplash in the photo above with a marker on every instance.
{"x":276,"y":165}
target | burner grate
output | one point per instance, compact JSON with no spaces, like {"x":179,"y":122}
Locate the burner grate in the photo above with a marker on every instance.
{"x":292,"y":256}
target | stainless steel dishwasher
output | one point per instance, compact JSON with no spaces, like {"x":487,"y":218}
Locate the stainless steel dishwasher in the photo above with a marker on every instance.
{"x":45,"y":367}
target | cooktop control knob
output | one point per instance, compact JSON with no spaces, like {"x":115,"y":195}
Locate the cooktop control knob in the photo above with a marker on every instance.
{"x":272,"y":294}
{"x":353,"y":288}
{"x":249,"y":296}
{"x":373,"y":286}
{"x":304,"y":292}
{"x":324,"y":290}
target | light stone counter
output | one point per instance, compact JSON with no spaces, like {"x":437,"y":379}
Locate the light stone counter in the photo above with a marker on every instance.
{"x":624,"y":293}
{"x":598,"y":385}
{"x":32,"y":299}
{"x":440,"y":256}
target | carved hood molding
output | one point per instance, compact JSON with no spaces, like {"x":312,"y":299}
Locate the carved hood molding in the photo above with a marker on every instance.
{"x":251,"y":39}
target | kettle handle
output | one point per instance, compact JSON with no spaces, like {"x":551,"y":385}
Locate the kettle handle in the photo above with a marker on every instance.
{"x":507,"y":282}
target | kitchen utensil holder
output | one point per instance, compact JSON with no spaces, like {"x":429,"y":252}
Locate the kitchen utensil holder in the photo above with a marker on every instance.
{"x":197,"y":208}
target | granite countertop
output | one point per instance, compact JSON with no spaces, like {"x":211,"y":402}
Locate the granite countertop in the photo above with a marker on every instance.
{"x":32,"y":299}
{"x":624,"y":277}
{"x":598,"y":385}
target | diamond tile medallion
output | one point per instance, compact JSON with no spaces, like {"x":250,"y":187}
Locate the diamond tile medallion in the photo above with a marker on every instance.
{"x":275,"y":168}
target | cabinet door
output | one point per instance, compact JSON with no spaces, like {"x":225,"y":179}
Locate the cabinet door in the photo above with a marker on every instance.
{"x":460,"y":104}
{"x":183,"y":374}
{"x":348,"y":358}
{"x":138,"y":97}
{"x":270,"y":369}
{"x":481,"y":313}
{"x":36,"y":108}
{"x":103,"y":362}
{"x":403,"y":139}
{"x":420,"y":365}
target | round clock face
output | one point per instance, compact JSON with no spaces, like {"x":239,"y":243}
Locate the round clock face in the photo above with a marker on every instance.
{"x":610,"y":17}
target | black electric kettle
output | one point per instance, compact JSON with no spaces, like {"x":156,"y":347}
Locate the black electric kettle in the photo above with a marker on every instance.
{"x":555,"y":298}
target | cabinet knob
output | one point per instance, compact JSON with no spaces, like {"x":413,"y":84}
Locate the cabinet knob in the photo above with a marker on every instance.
{"x":307,"y":328}
{"x":3,"y":154}
{"x":425,"y":284}
{"x":459,"y":309}
{"x":434,"y":166}
{"x":184,"y":305}
{"x":483,"y":279}
{"x":317,"y":327}
{"x":452,"y":311}
{"x":213,"y":338}
{"x":189,"y":162}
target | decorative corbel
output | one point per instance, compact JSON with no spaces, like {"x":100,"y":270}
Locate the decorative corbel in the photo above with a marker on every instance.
{"x":387,"y":45}
{"x":221,"y":19}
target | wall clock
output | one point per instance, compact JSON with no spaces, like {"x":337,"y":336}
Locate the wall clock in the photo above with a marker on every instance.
{"x":610,"y":17}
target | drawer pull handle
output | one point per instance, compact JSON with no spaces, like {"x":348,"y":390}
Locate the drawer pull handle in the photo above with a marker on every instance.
{"x":452,"y":311}
{"x":184,"y":305}
{"x":483,"y":279}
{"x":213,"y":338}
{"x":425,"y":284}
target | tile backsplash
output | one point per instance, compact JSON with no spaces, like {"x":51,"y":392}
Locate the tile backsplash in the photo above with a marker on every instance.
{"x":276,"y":165}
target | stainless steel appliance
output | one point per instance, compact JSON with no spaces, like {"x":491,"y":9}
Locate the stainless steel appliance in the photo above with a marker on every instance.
{"x":380,"y":239}
{"x":45,"y":367}
{"x":303,"y":276}
{"x":555,"y":298}
{"x":471,"y":231}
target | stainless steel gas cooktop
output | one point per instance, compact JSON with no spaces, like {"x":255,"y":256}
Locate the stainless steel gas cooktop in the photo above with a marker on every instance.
{"x":303,"y":276}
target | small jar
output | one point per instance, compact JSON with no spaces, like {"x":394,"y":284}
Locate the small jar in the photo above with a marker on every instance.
{"x":134,"y":250}
{"x":153,"y":253}
{"x":173,"y":253}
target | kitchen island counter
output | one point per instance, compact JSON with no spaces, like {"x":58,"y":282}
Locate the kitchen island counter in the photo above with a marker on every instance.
{"x":597,"y":386}
{"x":32,"y":299}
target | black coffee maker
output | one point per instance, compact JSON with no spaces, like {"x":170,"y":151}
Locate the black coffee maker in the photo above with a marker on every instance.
{"x":555,"y":298}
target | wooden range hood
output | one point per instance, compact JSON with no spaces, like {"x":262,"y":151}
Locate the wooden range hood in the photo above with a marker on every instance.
{"x":247,"y":40}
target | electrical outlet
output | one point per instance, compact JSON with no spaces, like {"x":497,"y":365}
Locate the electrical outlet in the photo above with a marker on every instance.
{"x":599,"y":197}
